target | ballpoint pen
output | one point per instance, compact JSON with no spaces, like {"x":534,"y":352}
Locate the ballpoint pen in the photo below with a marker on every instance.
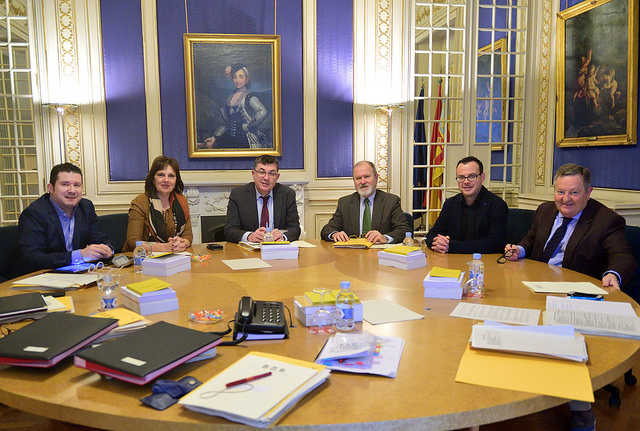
{"x":247,"y":379}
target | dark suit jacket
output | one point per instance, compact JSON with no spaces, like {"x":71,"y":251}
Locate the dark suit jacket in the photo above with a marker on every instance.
{"x":597,"y":244}
{"x":387,"y":217}
{"x":489,"y":226}
{"x":41,"y":238}
{"x":242,"y":212}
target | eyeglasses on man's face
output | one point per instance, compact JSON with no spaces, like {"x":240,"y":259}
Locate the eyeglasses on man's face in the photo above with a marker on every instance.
{"x":470,"y":177}
{"x":262,"y":173}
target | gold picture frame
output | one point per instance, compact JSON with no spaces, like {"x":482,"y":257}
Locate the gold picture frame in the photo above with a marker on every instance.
{"x":232,"y":95}
{"x":596,"y":87}
{"x":497,"y":50}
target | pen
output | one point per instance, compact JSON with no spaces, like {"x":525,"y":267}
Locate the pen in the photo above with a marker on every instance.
{"x":247,"y":379}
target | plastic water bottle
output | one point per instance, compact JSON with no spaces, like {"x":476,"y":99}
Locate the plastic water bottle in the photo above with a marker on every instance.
{"x":139,"y":254}
{"x":475,"y":283}
{"x":108,"y":290}
{"x":344,"y":303}
{"x":408,"y":240}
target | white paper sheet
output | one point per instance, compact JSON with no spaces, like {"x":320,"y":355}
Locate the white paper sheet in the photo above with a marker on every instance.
{"x":564,"y":287}
{"x":59,"y":280}
{"x":250,"y":263}
{"x":376,"y":311}
{"x":520,"y":316}
{"x":303,"y":244}
{"x":595,"y":323}
{"x":382,"y":246}
{"x":608,"y":307}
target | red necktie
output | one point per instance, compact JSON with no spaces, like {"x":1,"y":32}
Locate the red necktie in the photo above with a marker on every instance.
{"x":264,"y":217}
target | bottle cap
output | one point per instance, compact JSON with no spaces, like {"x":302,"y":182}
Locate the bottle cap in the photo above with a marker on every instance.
{"x":477,"y":256}
{"x":138,"y":243}
{"x":407,"y":234}
{"x":345,"y":284}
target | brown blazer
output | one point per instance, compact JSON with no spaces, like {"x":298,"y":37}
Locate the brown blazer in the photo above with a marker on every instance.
{"x":597,"y":244}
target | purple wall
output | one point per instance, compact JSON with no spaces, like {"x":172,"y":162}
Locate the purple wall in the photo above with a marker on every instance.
{"x":334,"y":41}
{"x":124,"y":89}
{"x":611,"y":167}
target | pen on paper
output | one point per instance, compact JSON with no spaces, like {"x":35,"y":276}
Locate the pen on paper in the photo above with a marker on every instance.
{"x":247,"y":379}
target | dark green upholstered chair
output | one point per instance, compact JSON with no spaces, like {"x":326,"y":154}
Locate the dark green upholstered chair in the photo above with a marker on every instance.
{"x":518,"y":224}
{"x":9,"y":252}
{"x":115,"y":227}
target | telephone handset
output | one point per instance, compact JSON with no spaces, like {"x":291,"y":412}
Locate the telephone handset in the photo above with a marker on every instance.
{"x":260,"y":317}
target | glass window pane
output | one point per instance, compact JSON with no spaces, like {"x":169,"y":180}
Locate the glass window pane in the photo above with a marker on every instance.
{"x":7,"y":159}
{"x":18,"y":7}
{"x":9,"y":184}
{"x":28,"y":160}
{"x":29,"y":183}
{"x":10,"y":209}
{"x":22,"y":83}
{"x":25,"y":109}
{"x":20,"y":57}
{"x":4,"y":36}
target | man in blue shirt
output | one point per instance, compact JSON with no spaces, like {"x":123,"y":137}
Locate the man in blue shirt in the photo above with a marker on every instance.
{"x":60,"y":227}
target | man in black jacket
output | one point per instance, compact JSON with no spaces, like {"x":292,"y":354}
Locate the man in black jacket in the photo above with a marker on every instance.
{"x":474,"y":220}
{"x":60,"y":227}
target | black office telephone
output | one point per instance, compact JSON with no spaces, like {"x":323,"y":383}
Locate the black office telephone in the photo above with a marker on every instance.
{"x":264,"y":319}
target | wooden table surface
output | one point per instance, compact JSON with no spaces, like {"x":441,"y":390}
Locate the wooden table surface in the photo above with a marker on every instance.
{"x":423,"y":396}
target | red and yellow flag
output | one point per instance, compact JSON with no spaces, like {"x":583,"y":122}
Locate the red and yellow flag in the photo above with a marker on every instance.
{"x":436,"y":160}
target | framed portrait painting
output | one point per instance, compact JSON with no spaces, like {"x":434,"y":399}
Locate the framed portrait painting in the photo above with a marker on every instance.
{"x":233,"y":95}
{"x":597,"y":74}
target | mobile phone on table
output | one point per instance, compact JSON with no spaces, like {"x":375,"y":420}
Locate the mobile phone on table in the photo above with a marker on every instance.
{"x":579,"y":295}
{"x":214,"y":246}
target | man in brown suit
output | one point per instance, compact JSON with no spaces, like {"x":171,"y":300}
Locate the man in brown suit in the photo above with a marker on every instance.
{"x":578,"y":233}
{"x":592,"y":240}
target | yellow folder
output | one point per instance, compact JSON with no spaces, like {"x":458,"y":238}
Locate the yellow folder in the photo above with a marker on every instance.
{"x":554,"y":377}
{"x":146,"y":286}
{"x":438,"y":271}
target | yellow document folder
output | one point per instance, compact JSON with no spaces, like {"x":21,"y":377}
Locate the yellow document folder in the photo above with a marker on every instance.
{"x":438,"y":271}
{"x":146,"y":286}
{"x":353,"y":243}
{"x":554,"y":377}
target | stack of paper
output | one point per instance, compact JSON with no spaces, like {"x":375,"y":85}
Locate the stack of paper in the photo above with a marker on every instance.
{"x":128,"y":321}
{"x":251,"y":246}
{"x":62,"y":304}
{"x":279,"y":251}
{"x":613,"y":319}
{"x":165,"y":265}
{"x":564,"y":287}
{"x":56,"y":281}
{"x":403,"y":257}
{"x":260,"y":402}
{"x":149,"y":297}
{"x":443,"y":283}
{"x":305,"y":306}
{"x":554,"y":341}
{"x":362,"y":353}
{"x":21,"y":306}
{"x":353,"y":243}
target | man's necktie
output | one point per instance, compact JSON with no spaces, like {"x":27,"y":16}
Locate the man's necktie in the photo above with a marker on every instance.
{"x":264,"y":217}
{"x":366,"y":217}
{"x":555,"y":240}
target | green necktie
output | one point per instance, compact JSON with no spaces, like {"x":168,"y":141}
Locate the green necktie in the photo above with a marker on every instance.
{"x":366,"y":217}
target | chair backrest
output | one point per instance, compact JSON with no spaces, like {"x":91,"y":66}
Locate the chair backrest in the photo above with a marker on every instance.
{"x":518,"y":224}
{"x":9,"y":252}
{"x":632,"y":287}
{"x":115,"y":227}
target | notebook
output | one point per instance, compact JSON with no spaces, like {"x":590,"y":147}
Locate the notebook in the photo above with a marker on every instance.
{"x":142,"y":356}
{"x":47,"y":341}
{"x":21,"y":304}
{"x":261,"y":402}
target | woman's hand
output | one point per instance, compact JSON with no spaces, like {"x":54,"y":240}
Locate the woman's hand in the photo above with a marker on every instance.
{"x":178,"y":244}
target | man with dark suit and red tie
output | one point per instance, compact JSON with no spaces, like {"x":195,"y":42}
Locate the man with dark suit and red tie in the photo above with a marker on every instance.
{"x":581,"y":234}
{"x":261,"y":206}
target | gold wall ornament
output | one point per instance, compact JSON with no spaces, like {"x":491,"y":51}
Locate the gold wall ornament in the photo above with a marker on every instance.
{"x":67,"y":45}
{"x":384,"y":27}
{"x":543,"y":91}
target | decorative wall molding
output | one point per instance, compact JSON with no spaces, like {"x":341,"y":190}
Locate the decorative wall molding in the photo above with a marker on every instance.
{"x":72,"y":130}
{"x":384,"y":35}
{"x":544,"y":75}
{"x":382,"y":154}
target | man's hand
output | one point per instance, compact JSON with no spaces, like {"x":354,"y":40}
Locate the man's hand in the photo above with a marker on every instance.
{"x":277,"y":235}
{"x":376,"y":237}
{"x":610,"y":281}
{"x":178,"y":244}
{"x":257,"y":235}
{"x":340,"y":236}
{"x":511,"y":252}
{"x":96,"y":251}
{"x":440,"y":243}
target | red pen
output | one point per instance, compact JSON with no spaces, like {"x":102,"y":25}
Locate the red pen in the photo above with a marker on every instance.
{"x":247,"y":379}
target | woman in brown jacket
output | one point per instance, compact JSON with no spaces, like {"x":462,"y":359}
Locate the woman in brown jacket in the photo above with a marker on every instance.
{"x":160,"y":216}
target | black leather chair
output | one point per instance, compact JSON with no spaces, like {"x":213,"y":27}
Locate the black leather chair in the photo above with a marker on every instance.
{"x":115,"y":227}
{"x":518,"y":224}
{"x":9,"y":253}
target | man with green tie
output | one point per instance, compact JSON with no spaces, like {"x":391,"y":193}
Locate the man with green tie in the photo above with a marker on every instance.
{"x":370,"y":213}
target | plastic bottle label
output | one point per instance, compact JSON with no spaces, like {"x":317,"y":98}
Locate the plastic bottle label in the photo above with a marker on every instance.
{"x":109,"y":303}
{"x":138,"y":260}
{"x":347,"y":313}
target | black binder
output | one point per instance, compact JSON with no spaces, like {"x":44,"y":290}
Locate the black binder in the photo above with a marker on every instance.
{"x":147,"y":353}
{"x":47,"y":341}
{"x":24,"y":303}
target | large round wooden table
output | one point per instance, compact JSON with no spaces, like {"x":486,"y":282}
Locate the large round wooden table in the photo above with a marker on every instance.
{"x":423,"y":396}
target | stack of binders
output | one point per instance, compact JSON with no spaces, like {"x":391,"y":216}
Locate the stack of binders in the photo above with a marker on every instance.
{"x":284,"y":250}
{"x":403,"y":257}
{"x":149,"y":297}
{"x":443,"y":283}
{"x":166,"y":265}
